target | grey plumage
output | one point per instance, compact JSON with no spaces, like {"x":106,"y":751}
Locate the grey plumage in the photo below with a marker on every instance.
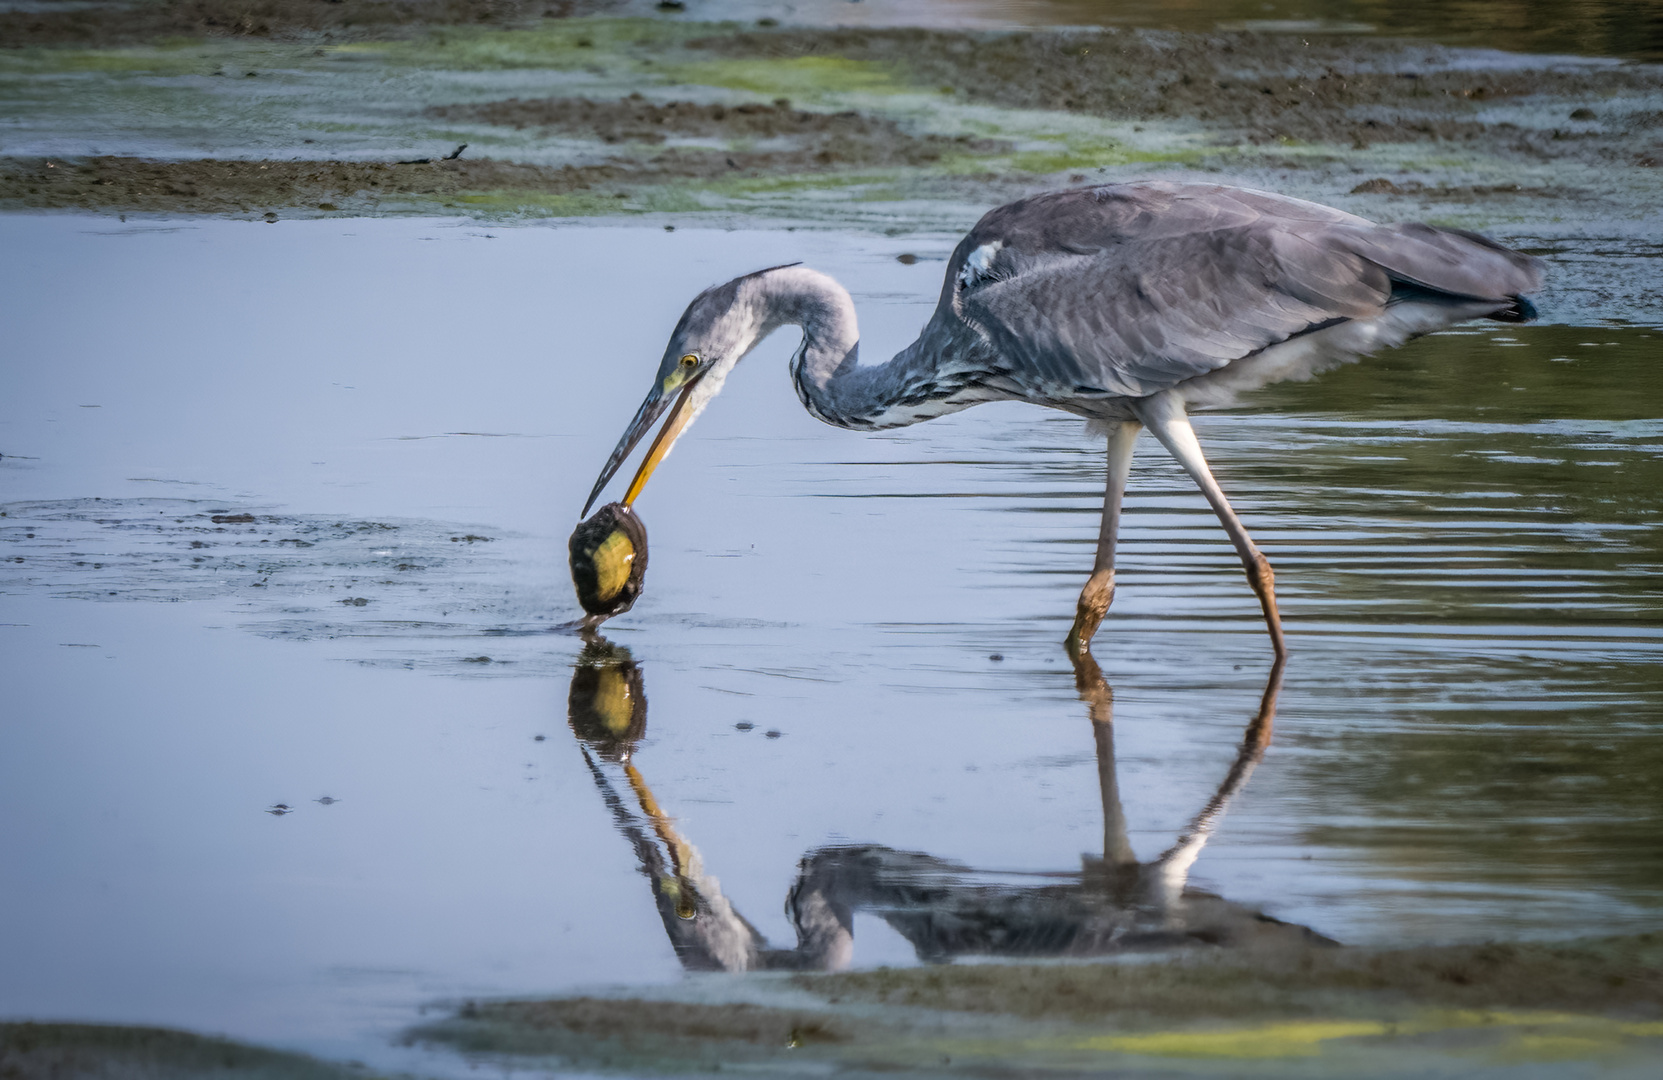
{"x":1131,"y":289}
{"x":1128,"y":304}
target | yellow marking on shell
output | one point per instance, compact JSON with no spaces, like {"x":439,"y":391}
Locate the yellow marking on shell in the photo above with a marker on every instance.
{"x":612,"y":701}
{"x":612,"y":559}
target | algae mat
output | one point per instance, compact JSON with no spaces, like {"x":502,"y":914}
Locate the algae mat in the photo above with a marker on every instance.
{"x":878,"y":127}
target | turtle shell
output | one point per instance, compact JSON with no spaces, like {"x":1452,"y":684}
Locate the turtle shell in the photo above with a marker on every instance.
{"x":609,"y":560}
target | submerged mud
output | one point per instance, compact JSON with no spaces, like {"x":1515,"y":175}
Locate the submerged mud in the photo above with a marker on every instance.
{"x":429,"y":584}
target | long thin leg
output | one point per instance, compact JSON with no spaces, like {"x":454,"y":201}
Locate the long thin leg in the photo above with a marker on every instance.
{"x":1098,"y":594}
{"x":1166,"y":417}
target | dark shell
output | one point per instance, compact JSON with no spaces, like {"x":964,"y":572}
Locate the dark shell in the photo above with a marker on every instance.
{"x":607,"y":705}
{"x":609,"y":560}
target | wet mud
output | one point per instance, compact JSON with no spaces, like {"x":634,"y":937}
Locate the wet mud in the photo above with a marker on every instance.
{"x":815,"y":138}
{"x":664,"y":115}
{"x":1464,"y":1010}
{"x":131,"y":23}
{"x":1617,"y":975}
{"x":229,"y":187}
{"x":802,"y":142}
{"x":116,"y":1052}
{"x":1257,"y":88}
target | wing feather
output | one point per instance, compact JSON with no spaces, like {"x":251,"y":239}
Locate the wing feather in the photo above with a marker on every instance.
{"x":1132,"y":288}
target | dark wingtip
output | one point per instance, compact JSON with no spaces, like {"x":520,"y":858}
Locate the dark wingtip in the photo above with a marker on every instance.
{"x":1520,"y":310}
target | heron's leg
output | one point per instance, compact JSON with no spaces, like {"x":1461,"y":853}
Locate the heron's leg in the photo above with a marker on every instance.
{"x":1098,"y":594}
{"x":1166,"y":417}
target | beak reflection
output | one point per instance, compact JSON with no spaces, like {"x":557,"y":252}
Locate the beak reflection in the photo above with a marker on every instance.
{"x":651,"y":409}
{"x":1112,"y":905}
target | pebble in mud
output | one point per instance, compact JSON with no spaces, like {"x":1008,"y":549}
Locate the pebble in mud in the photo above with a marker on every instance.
{"x":609,"y":561}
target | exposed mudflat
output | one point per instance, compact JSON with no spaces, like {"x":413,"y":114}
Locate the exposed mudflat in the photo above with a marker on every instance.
{"x":587,"y":116}
{"x":1617,"y":975}
{"x":152,"y":20}
{"x":217,"y":186}
{"x":1463,"y":1010}
{"x":1261,"y":88}
{"x":820,"y":138}
{"x":1480,"y":1010}
{"x":115,"y":1052}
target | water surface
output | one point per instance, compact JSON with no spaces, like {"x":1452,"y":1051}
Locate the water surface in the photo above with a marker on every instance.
{"x":408,"y":413}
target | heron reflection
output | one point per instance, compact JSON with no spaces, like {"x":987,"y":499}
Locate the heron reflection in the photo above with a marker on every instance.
{"x":1113,"y":904}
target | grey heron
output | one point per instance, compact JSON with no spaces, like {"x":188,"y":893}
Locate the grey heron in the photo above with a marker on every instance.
{"x":1127,"y":304}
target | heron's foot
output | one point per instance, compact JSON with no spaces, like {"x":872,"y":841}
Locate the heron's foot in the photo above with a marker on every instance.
{"x":1263,"y":580}
{"x":1094,"y":603}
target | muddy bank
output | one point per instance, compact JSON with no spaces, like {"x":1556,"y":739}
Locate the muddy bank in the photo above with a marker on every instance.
{"x":840,"y":137}
{"x":1617,"y":975}
{"x":230,"y":187}
{"x":689,"y":117}
{"x":668,"y":1027}
{"x":1366,"y":1012}
{"x":797,"y":141}
{"x":1257,"y":88}
{"x":135,"y":23}
{"x":115,"y":1052}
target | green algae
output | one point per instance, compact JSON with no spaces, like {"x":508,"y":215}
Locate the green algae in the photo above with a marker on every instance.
{"x":812,"y":77}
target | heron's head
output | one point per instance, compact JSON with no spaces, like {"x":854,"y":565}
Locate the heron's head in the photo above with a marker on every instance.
{"x":720,"y":326}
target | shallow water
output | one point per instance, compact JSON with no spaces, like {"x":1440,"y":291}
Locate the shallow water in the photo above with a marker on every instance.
{"x":1466,"y":744}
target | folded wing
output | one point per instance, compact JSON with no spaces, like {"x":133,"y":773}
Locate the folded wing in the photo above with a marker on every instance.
{"x":1130,"y":289}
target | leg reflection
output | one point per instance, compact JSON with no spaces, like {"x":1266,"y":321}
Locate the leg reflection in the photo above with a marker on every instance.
{"x":944,"y":909}
{"x":607,"y":709}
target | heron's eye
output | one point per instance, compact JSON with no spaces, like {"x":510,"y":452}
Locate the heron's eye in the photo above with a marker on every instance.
{"x":689,"y":361}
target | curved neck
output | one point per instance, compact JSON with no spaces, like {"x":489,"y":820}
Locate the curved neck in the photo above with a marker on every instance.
{"x":826,"y":368}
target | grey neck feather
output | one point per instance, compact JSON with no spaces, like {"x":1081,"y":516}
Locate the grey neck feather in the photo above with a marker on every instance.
{"x":826,"y":367}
